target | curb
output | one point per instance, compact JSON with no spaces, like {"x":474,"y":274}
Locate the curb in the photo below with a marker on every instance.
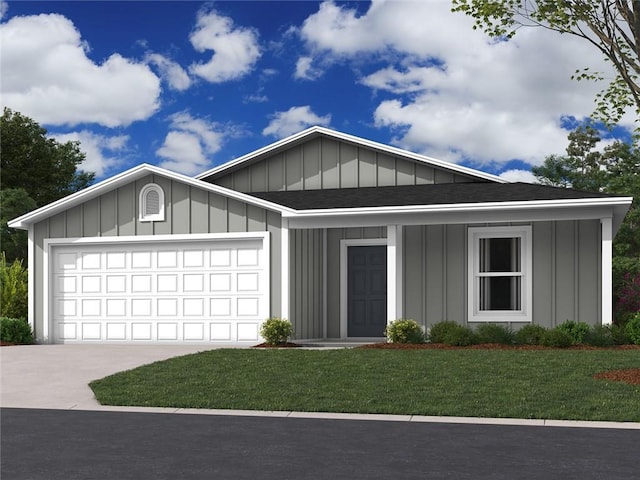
{"x":368,"y":417}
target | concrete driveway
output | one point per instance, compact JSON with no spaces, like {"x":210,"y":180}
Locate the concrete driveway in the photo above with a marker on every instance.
{"x":57,"y":376}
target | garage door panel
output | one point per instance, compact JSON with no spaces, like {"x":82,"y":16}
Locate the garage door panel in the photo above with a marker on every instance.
{"x":179,"y":292}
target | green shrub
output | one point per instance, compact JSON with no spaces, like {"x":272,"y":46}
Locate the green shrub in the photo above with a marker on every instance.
{"x":452,"y":333}
{"x":15,"y":330}
{"x":632,"y":329}
{"x":440,"y":330}
{"x":13,"y":289}
{"x":494,"y":333}
{"x":530,"y":335}
{"x":276,"y":330}
{"x":577,"y":330}
{"x":619,"y":335}
{"x":599,"y":336}
{"x":404,"y":331}
{"x":557,"y":338}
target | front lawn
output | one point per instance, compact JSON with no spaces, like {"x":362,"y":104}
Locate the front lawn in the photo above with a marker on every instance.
{"x":544,"y":384}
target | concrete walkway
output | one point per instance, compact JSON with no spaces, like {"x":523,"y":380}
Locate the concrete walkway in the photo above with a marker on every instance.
{"x":57,"y":377}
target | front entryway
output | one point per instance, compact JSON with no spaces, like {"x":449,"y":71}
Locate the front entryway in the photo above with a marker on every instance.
{"x":366,"y":290}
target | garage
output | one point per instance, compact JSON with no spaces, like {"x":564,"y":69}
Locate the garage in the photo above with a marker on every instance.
{"x":156,"y":289}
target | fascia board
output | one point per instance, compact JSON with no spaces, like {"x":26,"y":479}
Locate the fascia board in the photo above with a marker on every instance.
{"x":126,"y":177}
{"x":256,"y":153}
{"x":84,"y":195}
{"x":451,"y":217}
{"x":394,"y":151}
{"x":463,"y":207}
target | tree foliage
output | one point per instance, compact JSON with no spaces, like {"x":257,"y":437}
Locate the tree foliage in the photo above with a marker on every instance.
{"x":611,"y":26}
{"x":13,"y":203}
{"x":45,"y":169}
{"x":614,"y":169}
{"x":35,"y":170}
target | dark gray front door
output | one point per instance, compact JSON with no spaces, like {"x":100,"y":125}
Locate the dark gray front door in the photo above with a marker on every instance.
{"x":366,"y":291}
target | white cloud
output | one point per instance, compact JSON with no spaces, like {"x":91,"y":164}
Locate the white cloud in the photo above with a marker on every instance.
{"x":294,"y":120}
{"x":235,"y":50}
{"x":451,"y":91}
{"x":189,"y":143}
{"x":305,"y":69}
{"x":170,"y":71}
{"x":517,"y":175}
{"x":103,"y":153}
{"x":4,"y":8}
{"x":47,"y":75}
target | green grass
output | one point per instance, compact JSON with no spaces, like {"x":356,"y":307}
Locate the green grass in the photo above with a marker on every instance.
{"x":544,"y":384}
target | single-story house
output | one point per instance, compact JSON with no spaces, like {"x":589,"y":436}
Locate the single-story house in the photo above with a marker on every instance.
{"x":336,"y":233}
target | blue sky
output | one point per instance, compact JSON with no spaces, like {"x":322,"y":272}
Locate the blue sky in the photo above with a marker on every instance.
{"x":190,"y":85}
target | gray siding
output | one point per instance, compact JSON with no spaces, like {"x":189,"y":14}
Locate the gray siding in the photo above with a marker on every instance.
{"x":327,"y":163}
{"x":566,"y":273}
{"x":307,"y":283}
{"x":435,"y":273}
{"x":188,"y":210}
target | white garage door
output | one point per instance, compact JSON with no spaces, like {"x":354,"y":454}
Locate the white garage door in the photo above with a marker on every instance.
{"x":187,"y":291}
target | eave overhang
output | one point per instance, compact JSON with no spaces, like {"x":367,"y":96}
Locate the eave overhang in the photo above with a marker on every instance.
{"x":521,"y":211}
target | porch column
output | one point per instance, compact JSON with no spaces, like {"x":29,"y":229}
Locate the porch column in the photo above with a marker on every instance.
{"x":394,"y":272}
{"x":284,"y":269}
{"x":607,"y":275}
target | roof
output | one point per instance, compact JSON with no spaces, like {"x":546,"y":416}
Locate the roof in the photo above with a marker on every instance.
{"x":316,"y":131}
{"x":433,"y":194}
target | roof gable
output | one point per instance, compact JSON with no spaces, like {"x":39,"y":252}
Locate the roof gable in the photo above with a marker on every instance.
{"x":125,"y":178}
{"x":314,"y":159}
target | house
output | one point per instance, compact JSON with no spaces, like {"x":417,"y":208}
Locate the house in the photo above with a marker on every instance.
{"x":337,"y":233}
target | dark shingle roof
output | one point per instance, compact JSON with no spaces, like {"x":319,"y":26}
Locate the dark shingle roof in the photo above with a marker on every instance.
{"x":437,"y":194}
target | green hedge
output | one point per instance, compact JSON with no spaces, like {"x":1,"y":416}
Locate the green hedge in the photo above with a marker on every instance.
{"x":15,"y":330}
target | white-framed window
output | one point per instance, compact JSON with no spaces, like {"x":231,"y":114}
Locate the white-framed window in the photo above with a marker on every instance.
{"x":151,"y":203}
{"x":500,"y":268}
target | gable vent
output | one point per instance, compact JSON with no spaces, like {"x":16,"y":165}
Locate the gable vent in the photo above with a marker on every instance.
{"x":151,"y":203}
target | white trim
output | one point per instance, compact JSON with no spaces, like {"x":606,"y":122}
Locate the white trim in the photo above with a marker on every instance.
{"x":525,"y":313}
{"x":284,"y":269}
{"x":607,"y":274}
{"x":317,"y":130}
{"x":143,"y":216}
{"x":50,"y":243}
{"x":394,"y":272}
{"x":458,"y":207}
{"x":266,"y":278}
{"x":31,"y":293}
{"x":444,"y":217}
{"x":344,"y":245}
{"x":156,"y":238}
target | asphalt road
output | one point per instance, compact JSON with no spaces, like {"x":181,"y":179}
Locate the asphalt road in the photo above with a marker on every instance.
{"x":67,"y":444}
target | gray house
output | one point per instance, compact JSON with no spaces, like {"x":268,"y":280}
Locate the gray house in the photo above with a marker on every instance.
{"x":339,"y":234}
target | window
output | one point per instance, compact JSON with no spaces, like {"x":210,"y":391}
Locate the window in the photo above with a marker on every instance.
{"x":500,"y":274}
{"x":151,"y":203}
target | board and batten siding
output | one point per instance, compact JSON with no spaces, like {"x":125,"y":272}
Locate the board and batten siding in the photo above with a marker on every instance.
{"x":188,"y":210}
{"x":566,"y":273}
{"x":306,"y":278}
{"x":323,"y":163}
